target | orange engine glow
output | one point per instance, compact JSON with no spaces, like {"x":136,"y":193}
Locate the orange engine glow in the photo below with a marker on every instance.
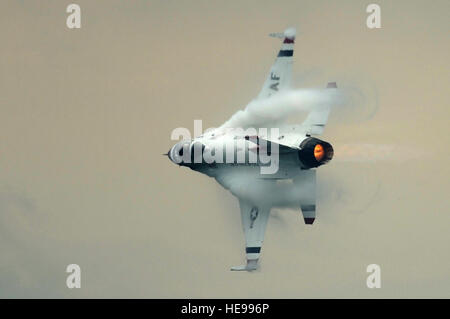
{"x":319,"y":152}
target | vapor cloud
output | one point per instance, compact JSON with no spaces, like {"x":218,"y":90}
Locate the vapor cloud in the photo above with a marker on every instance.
{"x":277,"y":108}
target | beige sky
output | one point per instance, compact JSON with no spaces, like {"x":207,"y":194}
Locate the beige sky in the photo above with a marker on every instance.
{"x":86,"y":114}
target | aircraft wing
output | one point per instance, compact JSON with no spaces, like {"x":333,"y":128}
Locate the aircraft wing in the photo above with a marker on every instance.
{"x":248,"y":187}
{"x":254,"y":222}
{"x":244,"y":185}
{"x":279,"y":76}
{"x":254,"y":217}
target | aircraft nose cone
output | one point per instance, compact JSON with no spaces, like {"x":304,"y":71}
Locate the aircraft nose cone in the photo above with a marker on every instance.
{"x":168,"y":154}
{"x":178,"y":150}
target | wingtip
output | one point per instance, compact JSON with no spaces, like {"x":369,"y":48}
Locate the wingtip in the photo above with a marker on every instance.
{"x":239,"y":268}
{"x":290,"y":33}
{"x":252,"y":264}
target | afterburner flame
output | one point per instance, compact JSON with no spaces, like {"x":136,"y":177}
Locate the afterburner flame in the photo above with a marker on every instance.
{"x":318,"y":152}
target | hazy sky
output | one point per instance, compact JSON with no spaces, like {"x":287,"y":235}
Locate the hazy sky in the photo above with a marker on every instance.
{"x":86,"y":114}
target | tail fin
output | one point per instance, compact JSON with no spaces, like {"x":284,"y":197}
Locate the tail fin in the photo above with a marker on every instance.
{"x":279,"y":77}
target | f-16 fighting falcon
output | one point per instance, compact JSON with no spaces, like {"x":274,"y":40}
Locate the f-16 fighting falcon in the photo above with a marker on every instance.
{"x":264,"y":168}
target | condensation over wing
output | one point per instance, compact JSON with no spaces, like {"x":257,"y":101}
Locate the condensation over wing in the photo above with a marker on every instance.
{"x":279,"y":77}
{"x":317,"y":119}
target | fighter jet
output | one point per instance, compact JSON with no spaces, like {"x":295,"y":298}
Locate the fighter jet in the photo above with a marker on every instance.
{"x":294,"y":154}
